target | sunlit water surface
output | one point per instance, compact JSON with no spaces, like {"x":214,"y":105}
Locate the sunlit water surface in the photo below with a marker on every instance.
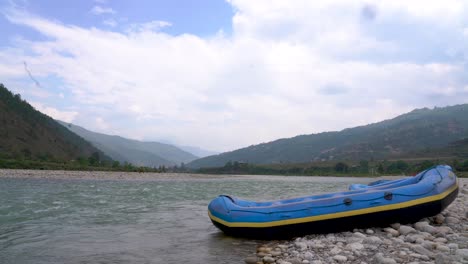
{"x":133,"y":221}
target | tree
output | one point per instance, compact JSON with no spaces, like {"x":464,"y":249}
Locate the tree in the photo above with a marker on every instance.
{"x":341,"y":167}
{"x":94,"y":159}
{"x":380,"y":168}
{"x":364,"y":166}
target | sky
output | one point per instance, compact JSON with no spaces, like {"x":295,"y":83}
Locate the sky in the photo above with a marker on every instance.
{"x":223,"y":75}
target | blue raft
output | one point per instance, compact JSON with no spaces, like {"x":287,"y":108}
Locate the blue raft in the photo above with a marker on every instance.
{"x":377,"y":204}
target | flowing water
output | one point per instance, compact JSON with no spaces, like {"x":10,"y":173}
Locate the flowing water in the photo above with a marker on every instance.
{"x":133,"y":221}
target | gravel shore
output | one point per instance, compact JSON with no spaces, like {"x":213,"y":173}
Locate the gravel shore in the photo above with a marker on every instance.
{"x":442,"y":239}
{"x":100,"y":175}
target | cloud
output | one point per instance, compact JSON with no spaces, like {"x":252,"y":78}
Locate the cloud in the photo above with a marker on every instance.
{"x":155,"y":25}
{"x":110,"y":22}
{"x":288,"y":68}
{"x":66,"y":116}
{"x":369,"y":12}
{"x":98,"y":10}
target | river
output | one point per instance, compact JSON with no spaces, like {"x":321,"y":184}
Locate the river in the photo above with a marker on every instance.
{"x":151,"y":220}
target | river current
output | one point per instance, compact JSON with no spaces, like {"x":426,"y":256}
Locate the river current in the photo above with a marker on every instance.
{"x":133,"y":221}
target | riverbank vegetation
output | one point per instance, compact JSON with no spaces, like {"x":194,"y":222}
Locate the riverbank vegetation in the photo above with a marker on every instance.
{"x":341,"y":168}
{"x":92,"y":163}
{"x":362,"y":168}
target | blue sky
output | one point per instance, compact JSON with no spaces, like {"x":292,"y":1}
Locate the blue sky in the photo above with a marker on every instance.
{"x":227,"y":74}
{"x":202,"y":18}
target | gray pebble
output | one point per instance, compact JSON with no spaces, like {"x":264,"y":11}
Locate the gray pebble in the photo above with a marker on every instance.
{"x":268,"y":259}
{"x":405,"y":230}
{"x":340,"y":258}
{"x":462,"y":253}
{"x":379,"y":258}
{"x":251,"y":260}
{"x":421,"y":250}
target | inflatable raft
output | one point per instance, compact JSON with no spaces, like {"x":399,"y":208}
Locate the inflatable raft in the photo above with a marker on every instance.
{"x":379,"y":203}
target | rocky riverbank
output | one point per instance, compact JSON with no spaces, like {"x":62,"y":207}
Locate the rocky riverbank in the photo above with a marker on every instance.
{"x":441,"y":239}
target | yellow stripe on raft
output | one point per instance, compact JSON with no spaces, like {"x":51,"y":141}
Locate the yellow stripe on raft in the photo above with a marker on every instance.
{"x":337,"y":215}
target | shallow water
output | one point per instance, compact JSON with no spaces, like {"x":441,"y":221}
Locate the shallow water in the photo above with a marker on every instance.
{"x":133,"y":221}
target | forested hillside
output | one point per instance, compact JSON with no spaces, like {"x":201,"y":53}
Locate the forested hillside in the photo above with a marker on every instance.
{"x":27,"y":134}
{"x":417,"y":133}
{"x":140,"y":153}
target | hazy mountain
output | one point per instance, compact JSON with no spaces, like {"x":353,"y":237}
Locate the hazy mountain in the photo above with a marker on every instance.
{"x":151,"y":154}
{"x":418,"y":130}
{"x":26,"y":133}
{"x":199,"y":152}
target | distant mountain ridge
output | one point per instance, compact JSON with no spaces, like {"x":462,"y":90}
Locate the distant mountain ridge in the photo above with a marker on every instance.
{"x":140,"y":153}
{"x":417,"y":130}
{"x":199,"y":152}
{"x":26,"y":133}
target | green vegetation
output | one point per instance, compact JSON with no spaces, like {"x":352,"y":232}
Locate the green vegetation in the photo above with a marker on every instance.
{"x":423,"y":133}
{"x":28,"y":137}
{"x":81,"y":164}
{"x":361,"y":168}
{"x":149,"y":154}
{"x":401,"y":146}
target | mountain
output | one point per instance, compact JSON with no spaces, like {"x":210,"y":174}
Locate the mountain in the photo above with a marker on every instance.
{"x":26,"y":133}
{"x":421,"y":129}
{"x":140,"y":153}
{"x":199,"y":152}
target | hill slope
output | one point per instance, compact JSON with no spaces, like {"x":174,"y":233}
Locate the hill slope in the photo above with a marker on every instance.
{"x":151,"y":154}
{"x":417,"y":130}
{"x":26,"y":133}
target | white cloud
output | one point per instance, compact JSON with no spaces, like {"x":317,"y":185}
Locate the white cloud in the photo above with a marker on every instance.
{"x":289,"y":68}
{"x":110,"y":22}
{"x":99,"y":10}
{"x":66,"y":116}
{"x":155,"y":25}
{"x":101,"y":124}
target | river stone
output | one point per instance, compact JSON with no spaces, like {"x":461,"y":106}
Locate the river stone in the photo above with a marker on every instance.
{"x":440,"y":240}
{"x":251,"y":260}
{"x":373,"y":240}
{"x":429,"y":229}
{"x":369,"y":231}
{"x":301,"y":245}
{"x":421,"y":250}
{"x":443,"y":248}
{"x":359,"y":235}
{"x":355,"y":246}
{"x":463,"y":253}
{"x":392,"y":231}
{"x":340,"y":259}
{"x":404,"y":230}
{"x":379,"y":258}
{"x":444,"y":230}
{"x":335,"y":250}
{"x":439,"y":219}
{"x":419,"y":225}
{"x":308,"y":255}
{"x":451,"y":220}
{"x":264,"y":249}
{"x":453,"y":246}
{"x":283,"y":247}
{"x":429,"y":245}
{"x":268,"y":259}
